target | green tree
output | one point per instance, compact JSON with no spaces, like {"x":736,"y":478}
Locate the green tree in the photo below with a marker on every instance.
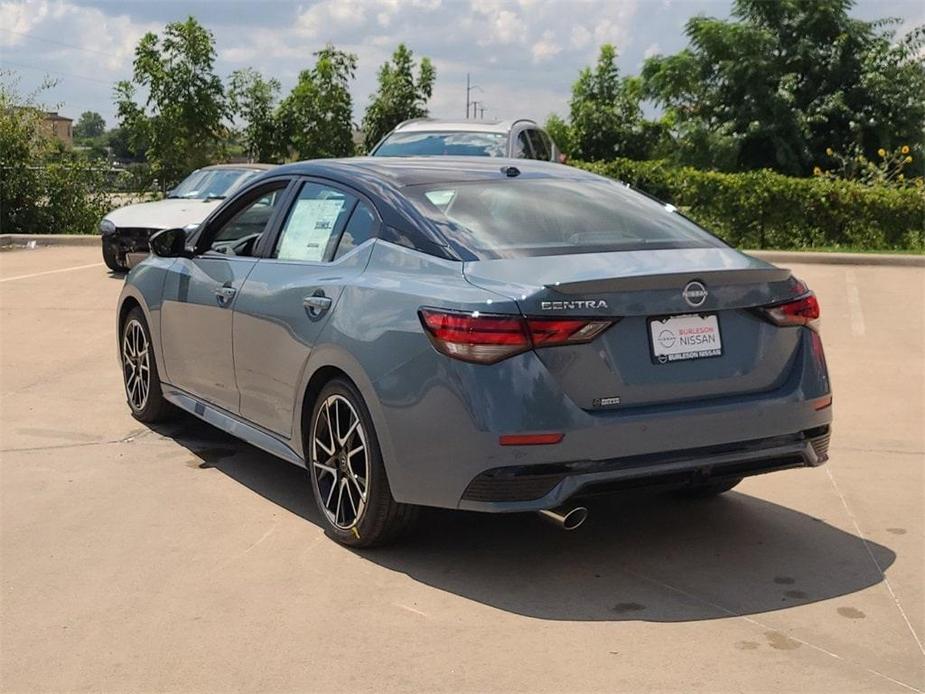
{"x":400,"y":96}
{"x":124,"y":147}
{"x":605,"y":114}
{"x":781,"y":82}
{"x":316,"y":118}
{"x":44,"y":187}
{"x":252,"y":99}
{"x":89,"y":125}
{"x":181,"y":118}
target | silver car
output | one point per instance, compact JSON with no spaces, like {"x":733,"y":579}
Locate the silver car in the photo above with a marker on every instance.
{"x":516,"y":139}
{"x":485,"y":334}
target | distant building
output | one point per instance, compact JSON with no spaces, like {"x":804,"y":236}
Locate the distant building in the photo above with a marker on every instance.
{"x":60,"y":127}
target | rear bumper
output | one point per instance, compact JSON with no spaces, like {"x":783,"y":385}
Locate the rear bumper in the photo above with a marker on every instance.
{"x":441,"y":420}
{"x":536,"y":487}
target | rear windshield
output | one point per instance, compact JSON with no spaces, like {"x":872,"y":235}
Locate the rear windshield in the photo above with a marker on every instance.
{"x":443,"y":144}
{"x":511,"y":218}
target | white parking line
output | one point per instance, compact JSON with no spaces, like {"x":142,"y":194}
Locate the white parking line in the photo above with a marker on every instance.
{"x":49,"y":272}
{"x":854,"y":304}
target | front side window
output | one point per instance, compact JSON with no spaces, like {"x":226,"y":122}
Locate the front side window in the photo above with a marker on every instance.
{"x":238,"y":235}
{"x":314,"y":223}
{"x":211,"y":184}
{"x":460,"y":144}
{"x":511,"y":218}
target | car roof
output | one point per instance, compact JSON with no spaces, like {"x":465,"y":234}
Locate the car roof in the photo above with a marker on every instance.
{"x":409,"y":171}
{"x":245,"y":166}
{"x":475,"y":126}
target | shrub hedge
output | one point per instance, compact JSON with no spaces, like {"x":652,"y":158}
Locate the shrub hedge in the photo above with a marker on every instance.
{"x":763,"y":209}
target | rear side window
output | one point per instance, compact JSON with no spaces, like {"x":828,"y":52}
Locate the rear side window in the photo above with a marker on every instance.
{"x":540,"y":145}
{"x":510,"y":218}
{"x":314,"y":223}
{"x":360,"y":228}
{"x":521,"y":146}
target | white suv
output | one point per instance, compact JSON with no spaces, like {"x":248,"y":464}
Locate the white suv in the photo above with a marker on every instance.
{"x":518,"y":139}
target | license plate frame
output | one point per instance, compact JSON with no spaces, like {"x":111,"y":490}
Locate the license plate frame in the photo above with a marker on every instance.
{"x":701,"y":330}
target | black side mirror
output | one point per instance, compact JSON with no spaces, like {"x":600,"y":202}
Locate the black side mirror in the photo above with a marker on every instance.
{"x":170,"y":243}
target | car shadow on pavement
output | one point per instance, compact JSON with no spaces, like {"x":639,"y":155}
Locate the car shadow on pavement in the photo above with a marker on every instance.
{"x":639,"y":556}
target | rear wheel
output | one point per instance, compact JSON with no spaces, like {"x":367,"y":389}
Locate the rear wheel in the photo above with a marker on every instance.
{"x":139,"y":371}
{"x":112,"y":259}
{"x":705,"y":490}
{"x":347,"y":475}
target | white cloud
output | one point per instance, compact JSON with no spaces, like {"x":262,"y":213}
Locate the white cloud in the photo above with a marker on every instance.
{"x":547,"y":47}
{"x":107,"y":41}
{"x":328,"y":17}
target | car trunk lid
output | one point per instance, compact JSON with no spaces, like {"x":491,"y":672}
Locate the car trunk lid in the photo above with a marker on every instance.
{"x":714,"y":288}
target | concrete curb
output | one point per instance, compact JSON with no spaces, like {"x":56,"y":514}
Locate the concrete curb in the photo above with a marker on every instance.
{"x":8,"y":240}
{"x":810,"y":258}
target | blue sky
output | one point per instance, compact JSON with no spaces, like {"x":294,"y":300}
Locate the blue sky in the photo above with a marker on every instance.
{"x":523,"y":54}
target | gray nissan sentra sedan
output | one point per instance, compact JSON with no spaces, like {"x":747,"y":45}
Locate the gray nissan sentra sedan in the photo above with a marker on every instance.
{"x":483,"y":334}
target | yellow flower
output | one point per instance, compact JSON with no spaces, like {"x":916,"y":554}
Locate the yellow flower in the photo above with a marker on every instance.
{"x":905,"y":149}
{"x":881,"y":152}
{"x":828,"y":150}
{"x":901,"y":177}
{"x":817,"y":171}
{"x":908,"y":160}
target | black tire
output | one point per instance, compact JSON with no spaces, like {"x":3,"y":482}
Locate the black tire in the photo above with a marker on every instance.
{"x":146,"y":400}
{"x":705,"y":490}
{"x":380,"y":519}
{"x":112,"y":260}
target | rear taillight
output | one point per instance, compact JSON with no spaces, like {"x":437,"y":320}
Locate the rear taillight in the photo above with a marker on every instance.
{"x":803,"y":310}
{"x":489,"y":338}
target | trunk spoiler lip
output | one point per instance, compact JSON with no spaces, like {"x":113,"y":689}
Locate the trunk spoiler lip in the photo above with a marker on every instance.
{"x":732,"y":276}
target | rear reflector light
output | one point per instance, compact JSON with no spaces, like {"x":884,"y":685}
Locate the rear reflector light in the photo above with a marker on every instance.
{"x":822,"y":403}
{"x":530,"y":439}
{"x":489,"y":338}
{"x":801,"y":311}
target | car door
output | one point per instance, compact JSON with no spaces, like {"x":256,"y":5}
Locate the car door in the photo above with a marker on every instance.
{"x":200,"y":293}
{"x":292,"y":293}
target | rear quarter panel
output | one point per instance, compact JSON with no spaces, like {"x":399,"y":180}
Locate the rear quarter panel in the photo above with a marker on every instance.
{"x":375,"y":336}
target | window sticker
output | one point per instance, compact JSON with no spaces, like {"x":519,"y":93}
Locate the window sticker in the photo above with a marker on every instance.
{"x":310,"y":225}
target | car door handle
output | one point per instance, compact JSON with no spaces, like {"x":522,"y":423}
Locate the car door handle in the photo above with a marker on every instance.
{"x":317,"y":303}
{"x":225,"y":294}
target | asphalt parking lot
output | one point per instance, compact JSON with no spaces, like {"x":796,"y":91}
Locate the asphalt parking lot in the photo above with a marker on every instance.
{"x":182,"y":560}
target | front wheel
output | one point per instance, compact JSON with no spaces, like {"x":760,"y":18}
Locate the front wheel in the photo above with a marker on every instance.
{"x":139,"y":371}
{"x":347,"y":475}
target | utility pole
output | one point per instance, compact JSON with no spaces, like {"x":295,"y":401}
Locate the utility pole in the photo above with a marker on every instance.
{"x":469,"y":88}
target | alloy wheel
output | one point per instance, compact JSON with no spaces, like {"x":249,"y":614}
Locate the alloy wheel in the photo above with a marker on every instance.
{"x":136,"y":365}
{"x":340,"y":461}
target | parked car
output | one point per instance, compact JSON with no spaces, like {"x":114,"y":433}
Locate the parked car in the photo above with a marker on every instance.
{"x":126,"y":230}
{"x":518,"y":139}
{"x":490,"y":335}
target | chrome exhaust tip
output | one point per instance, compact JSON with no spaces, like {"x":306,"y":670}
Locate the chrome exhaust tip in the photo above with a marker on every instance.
{"x":567,"y":518}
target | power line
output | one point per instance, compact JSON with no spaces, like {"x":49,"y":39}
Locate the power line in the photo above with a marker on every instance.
{"x":55,"y":72}
{"x":55,"y":41}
